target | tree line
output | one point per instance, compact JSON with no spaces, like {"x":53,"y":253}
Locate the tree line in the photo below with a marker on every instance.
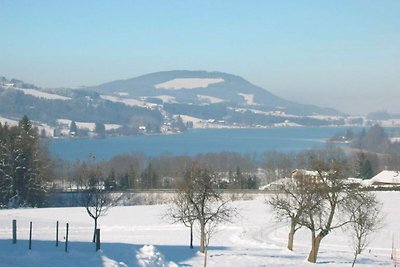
{"x":234,"y":170}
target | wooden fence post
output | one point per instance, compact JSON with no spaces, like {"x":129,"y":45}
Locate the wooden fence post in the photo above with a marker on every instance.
{"x":30,"y":236}
{"x":57,"y":234}
{"x":66,"y":239}
{"x":97,"y":239}
{"x":14,"y":231}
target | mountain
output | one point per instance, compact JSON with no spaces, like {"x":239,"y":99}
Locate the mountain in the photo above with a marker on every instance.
{"x":202,"y":87}
{"x":163,"y":102}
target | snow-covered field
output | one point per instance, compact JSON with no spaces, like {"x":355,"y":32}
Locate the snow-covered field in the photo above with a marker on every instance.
{"x":188,"y":83}
{"x":140,"y":236}
{"x":39,"y":94}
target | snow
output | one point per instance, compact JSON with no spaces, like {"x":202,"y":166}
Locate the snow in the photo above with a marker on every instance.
{"x":49,"y":131}
{"x":111,"y":126}
{"x":127,"y":101}
{"x":91,"y":126}
{"x":390,"y":123}
{"x":287,"y":123}
{"x":395,"y":139}
{"x":123,"y":93}
{"x":210,"y":99}
{"x":386,"y":177}
{"x":248,"y":98}
{"x":166,"y":98}
{"x":148,"y":256}
{"x":197,"y":122}
{"x":8,"y":121}
{"x":326,"y":117}
{"x":188,"y":83}
{"x":141,"y":236}
{"x":86,"y":125}
{"x":40,"y":94}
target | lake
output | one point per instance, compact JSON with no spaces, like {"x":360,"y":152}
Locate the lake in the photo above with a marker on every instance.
{"x":197,"y":141}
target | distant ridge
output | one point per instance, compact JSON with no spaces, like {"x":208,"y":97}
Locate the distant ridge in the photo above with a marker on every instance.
{"x":161,"y":102}
{"x":234,"y":90}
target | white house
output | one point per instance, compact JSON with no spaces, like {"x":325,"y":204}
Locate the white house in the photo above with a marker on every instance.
{"x":385,"y":178}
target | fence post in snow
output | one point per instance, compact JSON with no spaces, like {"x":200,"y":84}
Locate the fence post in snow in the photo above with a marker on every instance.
{"x":30,"y":236}
{"x":14,"y":231}
{"x":66,"y":239}
{"x":97,"y":239}
{"x":57,"y":234}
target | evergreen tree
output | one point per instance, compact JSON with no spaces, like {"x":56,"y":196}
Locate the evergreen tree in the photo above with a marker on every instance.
{"x":73,"y":129}
{"x":100,"y":129}
{"x":21,"y":167}
{"x":111,"y":182}
{"x":365,"y":170}
{"x":123,"y":181}
{"x":131,"y":178}
{"x":149,"y":177}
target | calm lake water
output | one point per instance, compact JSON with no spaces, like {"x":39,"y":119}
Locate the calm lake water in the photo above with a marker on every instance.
{"x":196,"y":141}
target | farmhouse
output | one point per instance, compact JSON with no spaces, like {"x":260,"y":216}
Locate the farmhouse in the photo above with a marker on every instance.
{"x":385,"y":178}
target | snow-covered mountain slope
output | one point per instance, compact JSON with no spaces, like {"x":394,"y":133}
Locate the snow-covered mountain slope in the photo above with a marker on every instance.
{"x":157,"y":100}
{"x":187,"y":86}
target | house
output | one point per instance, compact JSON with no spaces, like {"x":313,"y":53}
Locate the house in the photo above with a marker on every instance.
{"x":384,"y":178}
{"x":311,"y":177}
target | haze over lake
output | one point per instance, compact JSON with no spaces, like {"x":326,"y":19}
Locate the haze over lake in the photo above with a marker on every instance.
{"x":196,"y":142}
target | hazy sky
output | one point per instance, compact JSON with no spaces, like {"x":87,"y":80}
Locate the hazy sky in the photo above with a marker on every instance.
{"x":341,"y":54}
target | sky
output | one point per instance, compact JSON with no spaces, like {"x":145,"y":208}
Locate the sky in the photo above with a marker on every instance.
{"x":343,"y":54}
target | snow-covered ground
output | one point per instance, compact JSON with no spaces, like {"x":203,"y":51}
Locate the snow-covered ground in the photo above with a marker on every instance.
{"x":188,"y":83}
{"x":10,"y":122}
{"x":127,"y":101}
{"x":40,"y":94}
{"x":91,"y":126}
{"x":249,"y":98}
{"x":210,"y":99}
{"x":41,"y":126}
{"x":140,"y":236}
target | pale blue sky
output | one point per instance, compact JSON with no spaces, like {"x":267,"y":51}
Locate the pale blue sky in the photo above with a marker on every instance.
{"x":342,"y":54}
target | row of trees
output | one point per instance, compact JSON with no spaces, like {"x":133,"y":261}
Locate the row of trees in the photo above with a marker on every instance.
{"x":24,"y":166}
{"x":137,"y":171}
{"x":322,"y":202}
{"x":235,"y":171}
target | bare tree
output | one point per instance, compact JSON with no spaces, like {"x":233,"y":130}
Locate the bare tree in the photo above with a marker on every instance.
{"x":330,"y":194}
{"x":182,"y":211}
{"x":96,"y":200}
{"x":365,"y":216}
{"x":200,"y":202}
{"x":92,"y":193}
{"x":291,"y":201}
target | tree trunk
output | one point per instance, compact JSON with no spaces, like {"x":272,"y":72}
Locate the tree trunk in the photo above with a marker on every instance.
{"x":315,"y":243}
{"x":291,"y":235}
{"x":94,"y":232}
{"x":354,"y":260}
{"x":191,"y":235}
{"x":202,"y":237}
{"x":205,"y":257}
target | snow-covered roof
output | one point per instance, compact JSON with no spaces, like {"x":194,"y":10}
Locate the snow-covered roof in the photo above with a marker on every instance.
{"x":305,"y":172}
{"x":387,"y":177}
